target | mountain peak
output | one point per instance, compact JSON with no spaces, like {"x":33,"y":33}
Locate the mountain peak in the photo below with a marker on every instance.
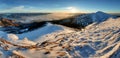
{"x":99,"y":12}
{"x":100,"y":16}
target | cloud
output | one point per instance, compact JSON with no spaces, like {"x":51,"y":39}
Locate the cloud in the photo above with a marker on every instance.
{"x":14,"y":9}
{"x":19,"y":9}
{"x":70,"y":8}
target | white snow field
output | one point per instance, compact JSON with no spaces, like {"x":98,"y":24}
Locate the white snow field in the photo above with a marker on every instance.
{"x":95,"y":41}
{"x":47,"y":29}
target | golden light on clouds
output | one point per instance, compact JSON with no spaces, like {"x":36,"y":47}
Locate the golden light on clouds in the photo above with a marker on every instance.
{"x":72,"y":9}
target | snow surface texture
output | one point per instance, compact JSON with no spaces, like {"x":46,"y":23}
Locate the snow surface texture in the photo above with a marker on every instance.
{"x":95,"y":41}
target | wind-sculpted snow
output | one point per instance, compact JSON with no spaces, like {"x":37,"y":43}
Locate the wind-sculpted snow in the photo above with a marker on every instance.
{"x":95,"y":41}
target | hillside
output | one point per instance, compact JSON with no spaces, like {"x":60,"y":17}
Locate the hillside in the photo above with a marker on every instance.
{"x":96,"y":40}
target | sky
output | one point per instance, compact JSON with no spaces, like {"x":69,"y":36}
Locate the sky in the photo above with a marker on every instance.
{"x":87,"y":6}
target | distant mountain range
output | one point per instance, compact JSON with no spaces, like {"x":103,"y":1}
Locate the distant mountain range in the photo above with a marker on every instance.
{"x":78,"y":21}
{"x":19,"y":15}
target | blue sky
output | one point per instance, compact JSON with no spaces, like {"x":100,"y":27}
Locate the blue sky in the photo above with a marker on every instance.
{"x":59,"y":6}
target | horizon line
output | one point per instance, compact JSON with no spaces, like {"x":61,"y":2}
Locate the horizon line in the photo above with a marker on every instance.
{"x":56,"y":12}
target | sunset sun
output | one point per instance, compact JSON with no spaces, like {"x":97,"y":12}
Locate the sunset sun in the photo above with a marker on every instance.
{"x":72,"y":9}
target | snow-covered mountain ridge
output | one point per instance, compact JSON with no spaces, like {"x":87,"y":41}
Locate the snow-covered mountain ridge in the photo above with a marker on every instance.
{"x":87,"y":19}
{"x":69,"y":20}
{"x":96,"y":40}
{"x":100,"y":16}
{"x":100,"y":39}
{"x":82,"y":20}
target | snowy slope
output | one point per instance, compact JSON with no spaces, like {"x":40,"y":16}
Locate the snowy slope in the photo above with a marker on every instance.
{"x":87,"y":19}
{"x":100,"y":16}
{"x":49,"y":28}
{"x":95,"y":41}
{"x":3,"y":34}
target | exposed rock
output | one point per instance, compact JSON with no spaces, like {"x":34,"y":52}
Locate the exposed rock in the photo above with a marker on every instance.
{"x":6,"y":22}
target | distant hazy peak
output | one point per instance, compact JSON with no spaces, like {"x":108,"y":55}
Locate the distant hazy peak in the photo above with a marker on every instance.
{"x":100,"y":12}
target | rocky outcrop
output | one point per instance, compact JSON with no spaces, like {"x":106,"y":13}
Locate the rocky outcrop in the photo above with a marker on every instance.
{"x":6,"y":22}
{"x":11,"y":26}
